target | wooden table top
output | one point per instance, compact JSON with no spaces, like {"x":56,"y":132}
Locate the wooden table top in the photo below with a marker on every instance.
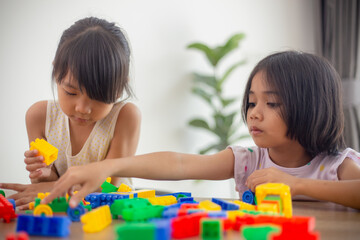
{"x":332,"y":222}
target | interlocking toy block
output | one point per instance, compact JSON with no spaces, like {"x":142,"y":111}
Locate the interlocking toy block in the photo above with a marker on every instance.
{"x":178,"y":194}
{"x":163,"y":229}
{"x":163,"y":200}
{"x":261,"y":191}
{"x":48,"y":151}
{"x":232,"y":214}
{"x":7,"y":211}
{"x":273,"y":199}
{"x":124,"y":188}
{"x":248,"y":197}
{"x":268,"y":208}
{"x":18,"y":236}
{"x":144,"y":193}
{"x":107,"y":187}
{"x":211,"y":229}
{"x":142,"y":214}
{"x":44,"y":226}
{"x":100,"y":199}
{"x":76,"y":213}
{"x":120,"y":204}
{"x":244,"y":205}
{"x":209,"y":206}
{"x":186,"y":200}
{"x":130,"y":231}
{"x":187,"y":226}
{"x":259,"y":231}
{"x":43,"y":209}
{"x":2,"y":193}
{"x":97,"y":219}
{"x":225,"y":205}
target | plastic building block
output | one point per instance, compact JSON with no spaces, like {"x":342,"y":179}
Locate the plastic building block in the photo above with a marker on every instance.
{"x":43,"y":209}
{"x":130,"y":231}
{"x":96,"y":220}
{"x":162,"y":228}
{"x":75,"y":213}
{"x":232,"y":214}
{"x":211,"y":229}
{"x":42,"y":195}
{"x":142,"y":214}
{"x":248,"y":197}
{"x":107,"y":187}
{"x":2,"y":193}
{"x":187,"y":226}
{"x":144,"y":193}
{"x":244,"y":205}
{"x":120,"y":204}
{"x":18,"y":236}
{"x":12,"y":201}
{"x":44,"y":226}
{"x":225,"y":205}
{"x":280,"y":189}
{"x":209,"y":205}
{"x":179,"y":194}
{"x":100,"y":199}
{"x":268,"y":208}
{"x":186,"y":200}
{"x":124,"y":188}
{"x":7,"y":211}
{"x":48,"y":151}
{"x":259,"y":232}
{"x":163,"y":200}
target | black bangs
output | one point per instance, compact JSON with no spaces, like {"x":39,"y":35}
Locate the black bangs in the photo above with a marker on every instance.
{"x":96,"y":59}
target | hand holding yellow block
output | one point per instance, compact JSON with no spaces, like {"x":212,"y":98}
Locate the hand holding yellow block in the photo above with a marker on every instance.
{"x":48,"y":151}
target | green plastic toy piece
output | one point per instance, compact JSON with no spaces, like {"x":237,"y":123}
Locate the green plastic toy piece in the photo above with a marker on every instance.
{"x":2,"y":193}
{"x":211,"y":229}
{"x":142,"y":214}
{"x":259,"y":232}
{"x":130,"y":231}
{"x":120,"y":204}
{"x":107,"y":187}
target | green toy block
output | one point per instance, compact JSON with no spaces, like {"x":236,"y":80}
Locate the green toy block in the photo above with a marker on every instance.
{"x":142,"y":214}
{"x":59,"y":205}
{"x":274,"y":198}
{"x":107,"y":187}
{"x":211,"y":229}
{"x":259,"y":232}
{"x":2,"y":193}
{"x":130,"y":231}
{"x":120,"y":204}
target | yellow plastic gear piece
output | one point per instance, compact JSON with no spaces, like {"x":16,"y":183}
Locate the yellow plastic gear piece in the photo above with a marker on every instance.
{"x":43,"y":209}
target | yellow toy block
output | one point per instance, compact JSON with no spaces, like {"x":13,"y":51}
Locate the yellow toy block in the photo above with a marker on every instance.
{"x":31,"y":205}
{"x":42,"y":195}
{"x":232,"y":214}
{"x":261,"y":191}
{"x":268,"y":208}
{"x":48,"y":151}
{"x":163,"y":200}
{"x":144,"y":193}
{"x":43,"y":209}
{"x":124,"y":188}
{"x":97,"y":219}
{"x":209,"y":206}
{"x":244,"y":205}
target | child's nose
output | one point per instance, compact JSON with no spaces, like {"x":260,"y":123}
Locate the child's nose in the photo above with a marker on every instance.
{"x":256,"y":113}
{"x":83,"y":107}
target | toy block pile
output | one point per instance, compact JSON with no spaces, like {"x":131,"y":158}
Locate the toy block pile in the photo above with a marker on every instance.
{"x":266,"y":214}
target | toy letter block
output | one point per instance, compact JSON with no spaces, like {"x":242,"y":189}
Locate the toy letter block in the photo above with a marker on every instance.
{"x":48,"y":151}
{"x":97,"y":219}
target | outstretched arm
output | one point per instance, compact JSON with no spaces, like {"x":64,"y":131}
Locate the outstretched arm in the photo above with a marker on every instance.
{"x":159,"y":166}
{"x":344,"y":192}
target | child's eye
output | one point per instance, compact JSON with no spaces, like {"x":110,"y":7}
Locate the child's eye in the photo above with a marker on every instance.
{"x":251,"y":105}
{"x":69,"y":93}
{"x":273,"y":105}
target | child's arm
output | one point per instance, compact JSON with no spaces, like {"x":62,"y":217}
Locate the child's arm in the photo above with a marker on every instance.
{"x":126,"y":135}
{"x":35,"y":125}
{"x":159,"y":166}
{"x":345,"y":192}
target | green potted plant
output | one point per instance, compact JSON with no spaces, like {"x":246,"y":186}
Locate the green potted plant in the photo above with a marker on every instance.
{"x":209,"y":87}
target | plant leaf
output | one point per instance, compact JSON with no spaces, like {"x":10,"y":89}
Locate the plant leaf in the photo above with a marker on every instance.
{"x":231,"y":44}
{"x":208,"y":80}
{"x":206,"y":50}
{"x":200,"y":123}
{"x":204,"y":95}
{"x":227,"y":102}
{"x":230,"y":70}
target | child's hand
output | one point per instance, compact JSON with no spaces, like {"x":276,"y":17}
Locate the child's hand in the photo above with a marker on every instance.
{"x":35,"y":165}
{"x":89,"y":177}
{"x":271,"y":175}
{"x":26,"y":193}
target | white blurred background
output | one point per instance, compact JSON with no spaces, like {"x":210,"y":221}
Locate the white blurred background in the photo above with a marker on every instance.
{"x":158,"y":31}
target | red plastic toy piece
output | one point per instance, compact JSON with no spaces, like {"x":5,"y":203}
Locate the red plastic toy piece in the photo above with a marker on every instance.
{"x":6,"y":209}
{"x":18,"y":236}
{"x":187,"y":226}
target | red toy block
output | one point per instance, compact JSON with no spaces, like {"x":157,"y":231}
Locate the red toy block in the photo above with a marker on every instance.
{"x":187,"y":226}
{"x":18,"y":236}
{"x":6,"y":209}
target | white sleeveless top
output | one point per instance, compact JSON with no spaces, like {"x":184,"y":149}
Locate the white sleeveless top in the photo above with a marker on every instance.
{"x":96,"y":147}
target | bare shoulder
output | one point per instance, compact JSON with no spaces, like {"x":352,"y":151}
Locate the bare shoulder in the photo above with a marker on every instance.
{"x":35,"y":118}
{"x":129,"y":115}
{"x":349,"y":170}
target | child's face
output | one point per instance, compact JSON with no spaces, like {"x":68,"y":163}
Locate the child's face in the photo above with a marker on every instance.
{"x":80,"y":109}
{"x":264,"y":121}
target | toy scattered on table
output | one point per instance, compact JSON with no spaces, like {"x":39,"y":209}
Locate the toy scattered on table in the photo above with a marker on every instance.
{"x":17,"y":236}
{"x":176,"y":215}
{"x":45,"y":149}
{"x":2,"y":193}
{"x":7,"y":209}
{"x":249,"y":197}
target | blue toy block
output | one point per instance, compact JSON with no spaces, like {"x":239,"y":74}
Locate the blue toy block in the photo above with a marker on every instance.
{"x":162,"y":229}
{"x":170,"y":213}
{"x":44,"y":226}
{"x":176,"y":205}
{"x":75,"y":213}
{"x":12,"y":201}
{"x":225,"y":205}
{"x":248,"y":197}
{"x":187,"y":200}
{"x":101,"y":199}
{"x":182,"y":194}
{"x":219,"y":214}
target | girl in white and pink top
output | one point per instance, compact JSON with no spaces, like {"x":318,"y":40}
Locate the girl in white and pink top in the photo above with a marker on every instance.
{"x":293,"y":109}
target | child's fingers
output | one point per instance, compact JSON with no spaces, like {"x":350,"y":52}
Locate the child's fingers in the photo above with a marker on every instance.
{"x":34,"y":160}
{"x":35,"y":174}
{"x":31,"y":153}
{"x":35,"y":166}
{"x":76,"y":198}
{"x":13,"y":186}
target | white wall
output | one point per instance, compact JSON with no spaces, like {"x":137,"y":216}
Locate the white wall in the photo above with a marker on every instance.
{"x":159,"y":31}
